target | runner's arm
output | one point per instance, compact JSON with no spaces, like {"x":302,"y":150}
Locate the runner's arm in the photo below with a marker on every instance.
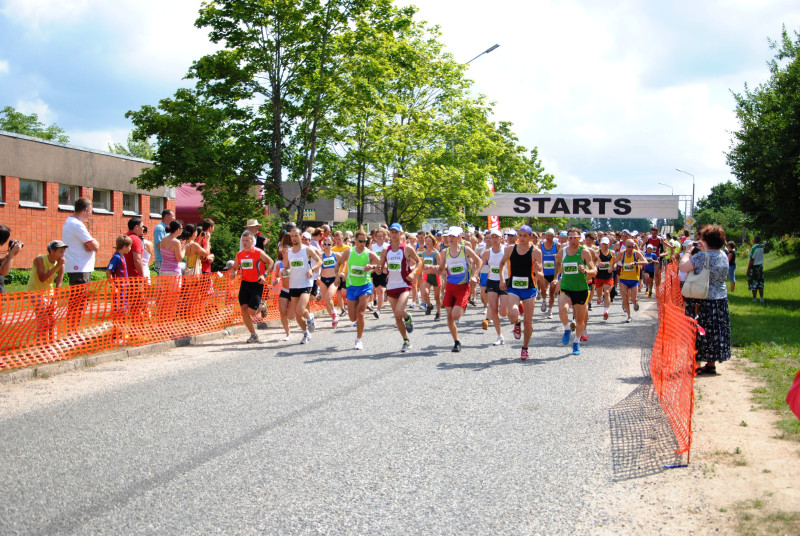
{"x":590,"y":269}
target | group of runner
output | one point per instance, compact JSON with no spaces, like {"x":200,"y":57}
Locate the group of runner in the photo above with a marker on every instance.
{"x":511,"y":270}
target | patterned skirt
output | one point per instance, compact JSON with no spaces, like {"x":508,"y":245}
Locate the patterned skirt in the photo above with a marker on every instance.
{"x":713,"y":317}
{"x":755,"y":280}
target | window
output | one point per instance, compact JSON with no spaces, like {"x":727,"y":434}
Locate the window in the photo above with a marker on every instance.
{"x":101,"y":200}
{"x":67,"y":195}
{"x":31,"y":193}
{"x":130,"y":204}
{"x":156,"y":207}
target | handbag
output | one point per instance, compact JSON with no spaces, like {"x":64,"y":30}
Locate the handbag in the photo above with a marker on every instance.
{"x":793,"y":397}
{"x":696,"y":284}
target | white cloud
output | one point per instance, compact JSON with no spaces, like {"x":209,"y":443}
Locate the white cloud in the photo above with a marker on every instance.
{"x":37,"y":13}
{"x":98,"y":139}
{"x":3,"y":67}
{"x":36,"y":106}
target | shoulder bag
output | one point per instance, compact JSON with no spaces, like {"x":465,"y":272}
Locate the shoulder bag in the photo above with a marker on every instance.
{"x":696,"y":285}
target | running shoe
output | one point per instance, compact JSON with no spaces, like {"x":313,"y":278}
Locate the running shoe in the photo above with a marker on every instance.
{"x":500,"y":341}
{"x":565,"y":338}
{"x":287,"y":337}
{"x":605,"y":315}
{"x":253,"y":338}
{"x":572,"y":325}
{"x":409,"y":322}
{"x":550,"y":315}
{"x":438,"y":316}
{"x":376,"y":314}
{"x":485,"y":323}
{"x":456,"y":347}
{"x":598,"y":302}
{"x":423,"y":307}
{"x":649,"y":293}
{"x":311,"y":324}
{"x":335,"y":323}
{"x":428,"y":309}
{"x":576,"y":348}
{"x":517,"y":331}
{"x":523,"y":354}
{"x":629,"y":320}
{"x":636,"y":306}
{"x":472,"y":302}
{"x":306,"y":338}
{"x":406,"y":346}
{"x":544,"y":307}
{"x":584,"y":338}
{"x":359,"y":345}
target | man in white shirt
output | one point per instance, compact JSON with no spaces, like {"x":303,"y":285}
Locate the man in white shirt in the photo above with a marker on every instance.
{"x":79,"y":256}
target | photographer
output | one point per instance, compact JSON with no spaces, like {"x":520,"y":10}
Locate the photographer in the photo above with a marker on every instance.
{"x":6,"y":260}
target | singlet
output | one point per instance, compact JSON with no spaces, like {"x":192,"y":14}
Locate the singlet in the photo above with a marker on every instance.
{"x":457,"y":267}
{"x":629,"y":267}
{"x":376,"y":249}
{"x":251,"y":263}
{"x":329,"y":261}
{"x":356,"y":264}
{"x":496,"y":272}
{"x":521,"y":267}
{"x":480,"y":249}
{"x":604,"y":266}
{"x":298,"y":267}
{"x":548,"y":258}
{"x":650,"y":267}
{"x":169,"y":264}
{"x":398,"y":268}
{"x":34,"y":283}
{"x":572,"y":279}
{"x":428,"y":260}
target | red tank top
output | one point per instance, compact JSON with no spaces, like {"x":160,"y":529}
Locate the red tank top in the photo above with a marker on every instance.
{"x":251,"y":264}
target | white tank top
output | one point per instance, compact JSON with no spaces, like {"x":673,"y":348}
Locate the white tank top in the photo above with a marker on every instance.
{"x":298,"y":268}
{"x":495,"y":270}
{"x":145,"y":262}
{"x":394,"y":260}
{"x":376,"y":249}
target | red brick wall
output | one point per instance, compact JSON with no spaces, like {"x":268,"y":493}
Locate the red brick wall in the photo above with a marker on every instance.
{"x":36,"y":227}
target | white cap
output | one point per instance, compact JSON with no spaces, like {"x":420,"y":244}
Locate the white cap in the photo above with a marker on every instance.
{"x":511,"y":232}
{"x":550,"y":231}
{"x":495,"y":232}
{"x":306,"y":234}
{"x":605,"y":240}
{"x":454,"y":231}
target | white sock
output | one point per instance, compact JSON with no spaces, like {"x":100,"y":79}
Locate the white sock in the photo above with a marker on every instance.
{"x":605,"y":309}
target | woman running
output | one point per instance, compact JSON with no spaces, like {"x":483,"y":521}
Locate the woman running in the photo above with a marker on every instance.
{"x":431,"y":259}
{"x":329,"y":278}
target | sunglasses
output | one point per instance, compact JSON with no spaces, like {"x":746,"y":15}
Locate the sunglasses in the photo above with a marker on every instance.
{"x":327,"y":244}
{"x":574,"y":237}
{"x":362,"y":241}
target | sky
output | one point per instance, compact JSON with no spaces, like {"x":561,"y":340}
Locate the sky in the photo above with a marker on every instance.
{"x":615,"y":94}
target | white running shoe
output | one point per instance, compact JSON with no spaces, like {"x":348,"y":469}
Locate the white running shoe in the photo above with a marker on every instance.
{"x":287,"y":337}
{"x":311,"y":324}
{"x":359,"y":345}
{"x":306,"y":338}
{"x":500,"y":341}
{"x":544,"y":306}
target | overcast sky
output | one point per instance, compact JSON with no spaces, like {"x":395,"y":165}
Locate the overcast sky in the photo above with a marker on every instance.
{"x":615,"y":95}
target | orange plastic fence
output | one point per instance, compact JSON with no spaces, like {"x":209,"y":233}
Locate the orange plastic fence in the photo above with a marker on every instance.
{"x":46,"y":326}
{"x":672,"y":362}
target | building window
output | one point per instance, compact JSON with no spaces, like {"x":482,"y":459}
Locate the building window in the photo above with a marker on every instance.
{"x":67,"y":195}
{"x":31,"y":193}
{"x":130,"y":204}
{"x":101,"y":200}
{"x":156,"y":206}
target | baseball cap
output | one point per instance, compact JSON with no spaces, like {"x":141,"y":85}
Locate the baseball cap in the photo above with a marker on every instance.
{"x":56,"y":244}
{"x":396,"y":227}
{"x":511,"y":232}
{"x":625,"y":231}
{"x":495,"y":232}
{"x":526,"y":229}
{"x":454,"y":231}
{"x":550,"y":231}
{"x":562,"y":233}
{"x":649,"y":246}
{"x":605,"y":240}
{"x":306,"y":234}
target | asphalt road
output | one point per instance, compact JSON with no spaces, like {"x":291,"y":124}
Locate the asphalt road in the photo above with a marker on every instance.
{"x":279,"y":438}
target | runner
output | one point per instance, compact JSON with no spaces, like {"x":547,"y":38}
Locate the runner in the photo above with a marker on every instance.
{"x":255,"y":265}
{"x":284,"y":298}
{"x":455,"y":262}
{"x":431,"y":278}
{"x":416,"y":288}
{"x":378,"y":278}
{"x":630,"y":258}
{"x":480,"y":248}
{"x":548,"y":282}
{"x":604,"y":280}
{"x":358,"y":261}
{"x":575,"y":263}
{"x":498,"y":271}
{"x":658,"y":248}
{"x":329,"y":278}
{"x":340,"y":247}
{"x":301,"y":262}
{"x":650,"y":269}
{"x":401,"y":263}
{"x":524,"y":264}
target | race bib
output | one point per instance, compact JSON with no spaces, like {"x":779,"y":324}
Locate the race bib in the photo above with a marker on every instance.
{"x":519,"y":282}
{"x":549,"y":265}
{"x":428,"y":261}
{"x":247,"y":264}
{"x":495,"y":270}
{"x":357,"y":270}
{"x":394,"y":266}
{"x":628,"y":267}
{"x":570,"y":268}
{"x":457,"y":269}
{"x":329,"y":262}
{"x":297,"y":264}
{"x":603,"y":265}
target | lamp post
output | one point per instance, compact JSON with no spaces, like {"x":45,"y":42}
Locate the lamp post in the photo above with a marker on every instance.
{"x":482,"y":53}
{"x":692,"y":176}
{"x":671,"y":190}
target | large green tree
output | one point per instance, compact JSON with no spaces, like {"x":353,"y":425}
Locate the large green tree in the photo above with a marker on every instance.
{"x":765,"y":153}
{"x":137,"y":148}
{"x":13,"y":121}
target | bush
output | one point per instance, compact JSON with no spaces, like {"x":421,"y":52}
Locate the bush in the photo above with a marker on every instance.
{"x":224,"y":245}
{"x":787,"y":245}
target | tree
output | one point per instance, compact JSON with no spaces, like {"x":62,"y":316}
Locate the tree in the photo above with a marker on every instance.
{"x":765,"y":153}
{"x":139,"y":149}
{"x":29,"y":125}
{"x":725,"y":194}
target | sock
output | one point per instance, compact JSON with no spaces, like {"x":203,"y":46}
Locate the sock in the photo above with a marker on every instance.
{"x":605,"y":309}
{"x":566,"y":327}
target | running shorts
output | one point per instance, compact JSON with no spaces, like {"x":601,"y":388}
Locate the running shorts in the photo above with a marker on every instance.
{"x":397,"y":292}
{"x":456,"y":295}
{"x":523,"y":293}
{"x":600,"y":283}
{"x":250,"y":294}
{"x":433,"y":279}
{"x":550,"y":278}
{"x":494,"y":286}
{"x":354,"y":293}
{"x":484,"y":279}
{"x":379,"y":280}
{"x":578,"y":297}
{"x":629,"y":283}
{"x":327,"y":281}
{"x":297,"y":292}
{"x":284,"y":295}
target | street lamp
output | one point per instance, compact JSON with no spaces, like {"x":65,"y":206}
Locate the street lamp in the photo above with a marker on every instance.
{"x":482,"y":53}
{"x":692,"y":176}
{"x":671,"y":190}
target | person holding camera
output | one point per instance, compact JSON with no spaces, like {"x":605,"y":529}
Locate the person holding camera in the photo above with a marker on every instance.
{"x":14,"y":247}
{"x":47,"y":271}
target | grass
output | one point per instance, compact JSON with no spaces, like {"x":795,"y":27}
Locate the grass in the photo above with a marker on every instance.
{"x":767,"y":335}
{"x":754,"y":520}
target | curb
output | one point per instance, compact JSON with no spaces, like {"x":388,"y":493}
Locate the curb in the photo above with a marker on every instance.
{"x":91,"y":360}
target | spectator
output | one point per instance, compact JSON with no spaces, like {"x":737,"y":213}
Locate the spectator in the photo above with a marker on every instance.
{"x":755,"y":269}
{"x":732,"y":264}
{"x":261,"y":242}
{"x":14,"y":247}
{"x":204,"y":240}
{"x":711,"y":312}
{"x":167,"y":216}
{"x":172,"y":250}
{"x":133,"y":258}
{"x":148,"y":253}
{"x":47,"y":271}
{"x":78,"y":258}
{"x":118,"y":266}
{"x":117,"y":274}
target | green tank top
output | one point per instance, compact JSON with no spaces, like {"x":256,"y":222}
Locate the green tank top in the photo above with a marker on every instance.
{"x":356,"y":274}
{"x":571,"y":278}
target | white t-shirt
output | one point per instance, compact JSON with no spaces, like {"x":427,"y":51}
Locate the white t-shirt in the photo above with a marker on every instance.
{"x":76,"y":258}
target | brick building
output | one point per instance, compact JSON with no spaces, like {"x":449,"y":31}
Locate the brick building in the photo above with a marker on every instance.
{"x":41,"y":179}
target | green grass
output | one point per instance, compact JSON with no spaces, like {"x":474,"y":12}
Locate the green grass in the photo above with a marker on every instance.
{"x":768,"y":334}
{"x":97,"y":275}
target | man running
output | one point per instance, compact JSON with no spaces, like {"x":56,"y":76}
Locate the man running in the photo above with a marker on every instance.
{"x":575,"y":264}
{"x":497,"y":299}
{"x":629,"y":258}
{"x":358,"y":261}
{"x":456,"y":261}
{"x":301,"y":262}
{"x":548,"y":282}
{"x":604,"y":280}
{"x":401,"y":263}
{"x":524,"y":263}
{"x":255,"y":266}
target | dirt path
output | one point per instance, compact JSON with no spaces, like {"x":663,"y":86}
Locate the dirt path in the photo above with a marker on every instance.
{"x":741,"y":480}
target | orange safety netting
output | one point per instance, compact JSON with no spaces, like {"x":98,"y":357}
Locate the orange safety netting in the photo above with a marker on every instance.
{"x":45,"y":326}
{"x":672,"y":362}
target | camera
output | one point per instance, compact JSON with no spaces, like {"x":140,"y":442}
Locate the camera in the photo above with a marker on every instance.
{"x":14,"y":243}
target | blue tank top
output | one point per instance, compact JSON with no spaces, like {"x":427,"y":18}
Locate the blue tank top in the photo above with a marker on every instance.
{"x":329,"y":261}
{"x":549,"y":258}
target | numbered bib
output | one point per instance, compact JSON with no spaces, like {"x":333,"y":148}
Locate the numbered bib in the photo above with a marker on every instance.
{"x":519,"y":282}
{"x":549,"y":265}
{"x":297,"y":264}
{"x":628,"y":267}
{"x":394,"y":266}
{"x":428,"y":262}
{"x":603,"y":265}
{"x":329,"y":262}
{"x":457,"y":269}
{"x":357,"y":270}
{"x":247,"y":264}
{"x":570,"y":268}
{"x":495,"y":270}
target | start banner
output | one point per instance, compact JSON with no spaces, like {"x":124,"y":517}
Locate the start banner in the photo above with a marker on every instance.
{"x":583,"y":206}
